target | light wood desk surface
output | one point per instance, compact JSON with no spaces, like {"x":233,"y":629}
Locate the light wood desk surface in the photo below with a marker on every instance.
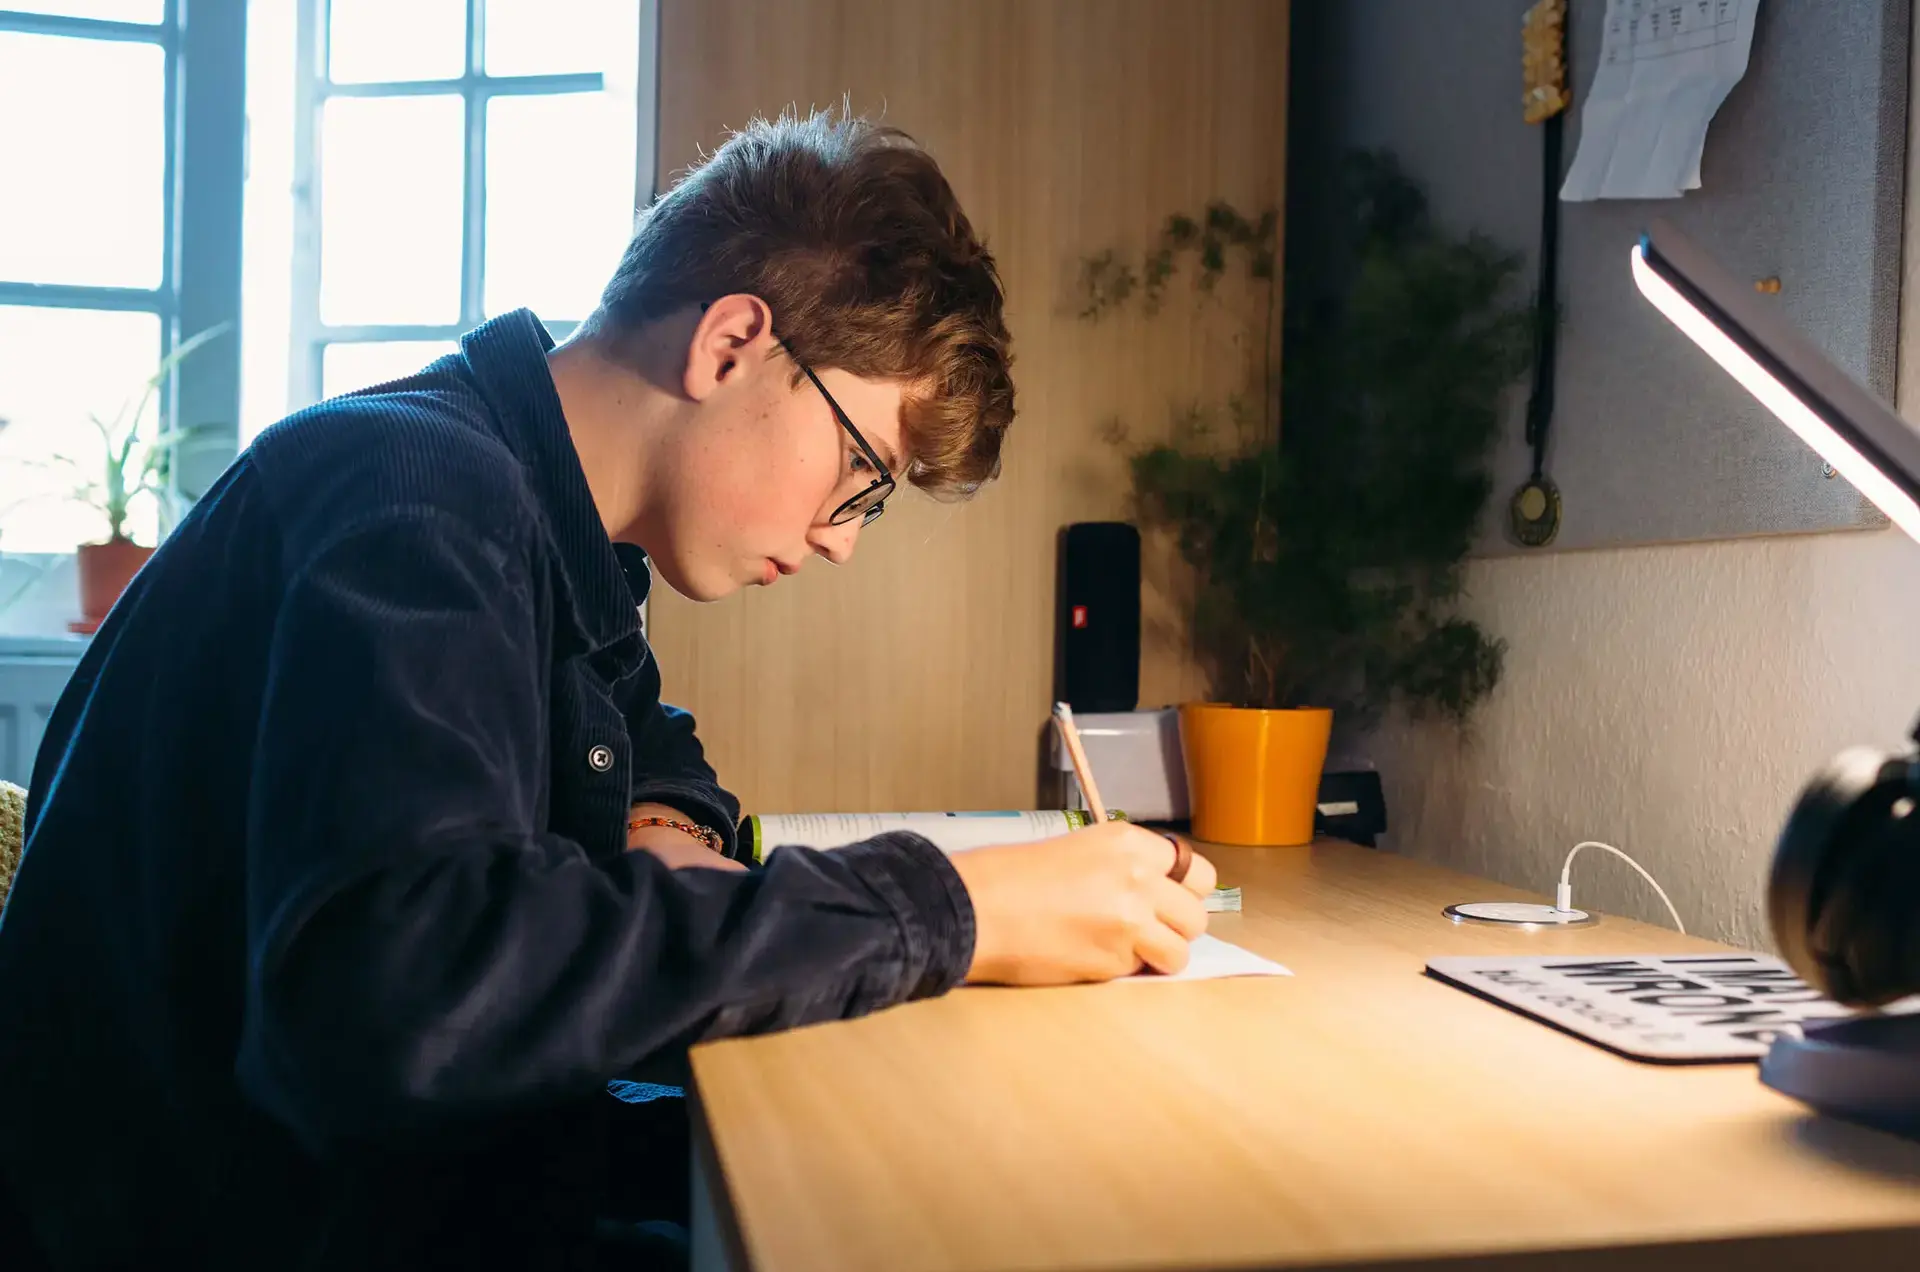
{"x":1358,"y":1112}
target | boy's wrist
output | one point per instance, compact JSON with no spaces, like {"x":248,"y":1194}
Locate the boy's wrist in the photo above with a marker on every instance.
{"x":699,"y":802}
{"x":643,"y":817}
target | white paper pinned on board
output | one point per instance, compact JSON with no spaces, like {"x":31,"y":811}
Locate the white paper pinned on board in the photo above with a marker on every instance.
{"x":1665,"y":67}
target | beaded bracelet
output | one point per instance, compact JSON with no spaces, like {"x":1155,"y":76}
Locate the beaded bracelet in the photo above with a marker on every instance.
{"x":711,"y":838}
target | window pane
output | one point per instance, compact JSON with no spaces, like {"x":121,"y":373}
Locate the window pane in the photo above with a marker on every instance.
{"x":57,"y":366}
{"x":148,"y":11}
{"x":552,"y":37}
{"x":390,"y":186}
{"x":376,"y":41}
{"x":84,"y":180}
{"x":363,"y":364}
{"x":559,"y":200}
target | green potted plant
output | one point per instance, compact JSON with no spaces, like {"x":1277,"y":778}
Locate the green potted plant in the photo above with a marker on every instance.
{"x":134,"y":464}
{"x":1324,"y":558}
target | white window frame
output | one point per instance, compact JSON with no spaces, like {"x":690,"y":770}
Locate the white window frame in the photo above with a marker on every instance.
{"x":309,"y":335}
{"x":202,"y":173}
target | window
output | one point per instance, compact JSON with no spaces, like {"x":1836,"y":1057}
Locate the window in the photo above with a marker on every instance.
{"x":347,"y":184}
{"x":445,"y":161}
{"x":94,"y":266}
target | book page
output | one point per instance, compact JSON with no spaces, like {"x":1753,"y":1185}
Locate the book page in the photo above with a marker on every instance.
{"x":949,"y":832}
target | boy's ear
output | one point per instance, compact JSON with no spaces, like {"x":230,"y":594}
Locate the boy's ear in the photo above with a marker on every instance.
{"x":730,"y":332}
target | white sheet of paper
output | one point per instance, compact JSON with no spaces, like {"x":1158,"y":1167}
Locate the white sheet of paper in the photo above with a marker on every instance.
{"x":1211,"y":958}
{"x":1665,"y":67}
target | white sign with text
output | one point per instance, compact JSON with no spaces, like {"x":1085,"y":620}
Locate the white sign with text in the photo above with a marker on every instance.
{"x":1671,"y":1007}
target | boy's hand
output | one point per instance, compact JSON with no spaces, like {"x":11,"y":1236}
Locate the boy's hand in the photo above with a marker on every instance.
{"x":1086,"y":906}
{"x":675,"y":847}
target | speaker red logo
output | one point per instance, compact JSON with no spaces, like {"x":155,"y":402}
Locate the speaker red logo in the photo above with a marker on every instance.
{"x":1079,"y":616}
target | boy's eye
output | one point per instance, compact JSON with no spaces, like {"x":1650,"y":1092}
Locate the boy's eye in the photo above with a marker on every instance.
{"x":860,"y":464}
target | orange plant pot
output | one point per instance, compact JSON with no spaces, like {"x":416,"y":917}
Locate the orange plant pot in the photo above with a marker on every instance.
{"x":1253,"y":776}
{"x":105,"y":569}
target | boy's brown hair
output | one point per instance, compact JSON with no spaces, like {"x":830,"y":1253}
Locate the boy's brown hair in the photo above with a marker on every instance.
{"x":852,"y":236}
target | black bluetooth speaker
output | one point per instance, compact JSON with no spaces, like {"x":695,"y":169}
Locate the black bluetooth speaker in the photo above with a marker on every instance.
{"x":1097,"y":617}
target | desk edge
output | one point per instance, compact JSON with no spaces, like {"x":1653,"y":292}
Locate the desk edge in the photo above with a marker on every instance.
{"x":721,"y":1216}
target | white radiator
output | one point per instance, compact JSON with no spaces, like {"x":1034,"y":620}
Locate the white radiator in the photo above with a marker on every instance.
{"x":32,"y":674}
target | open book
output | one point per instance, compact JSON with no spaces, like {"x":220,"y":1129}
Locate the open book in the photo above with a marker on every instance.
{"x":1210,"y":957}
{"x":949,"y":832}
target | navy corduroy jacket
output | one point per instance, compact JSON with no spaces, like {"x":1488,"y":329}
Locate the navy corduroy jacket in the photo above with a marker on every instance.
{"x":326,"y":941}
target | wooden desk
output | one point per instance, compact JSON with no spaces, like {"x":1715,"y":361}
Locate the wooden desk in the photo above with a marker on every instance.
{"x":1357,"y":1113}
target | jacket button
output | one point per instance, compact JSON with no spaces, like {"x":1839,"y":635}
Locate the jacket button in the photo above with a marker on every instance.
{"x":600,"y":759}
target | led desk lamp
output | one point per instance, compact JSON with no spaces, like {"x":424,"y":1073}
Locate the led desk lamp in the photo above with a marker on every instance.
{"x":1844,"y":895}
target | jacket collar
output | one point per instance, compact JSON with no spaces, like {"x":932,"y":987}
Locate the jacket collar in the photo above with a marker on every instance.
{"x":603,"y":582}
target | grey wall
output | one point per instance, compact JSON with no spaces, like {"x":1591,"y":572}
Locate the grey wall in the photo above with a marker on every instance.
{"x":1669,"y":700}
{"x":1801,"y":179}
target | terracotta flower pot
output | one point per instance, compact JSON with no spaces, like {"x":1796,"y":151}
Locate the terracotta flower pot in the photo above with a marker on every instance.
{"x":105,"y":569}
{"x":1253,"y":776}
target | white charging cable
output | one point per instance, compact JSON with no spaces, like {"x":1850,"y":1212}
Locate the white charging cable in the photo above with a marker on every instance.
{"x":1563,"y":896}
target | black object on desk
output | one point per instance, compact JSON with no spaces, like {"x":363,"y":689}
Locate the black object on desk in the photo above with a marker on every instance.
{"x":1352,"y":807}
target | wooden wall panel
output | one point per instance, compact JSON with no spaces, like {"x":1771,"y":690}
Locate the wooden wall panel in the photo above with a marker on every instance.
{"x":919,"y":675}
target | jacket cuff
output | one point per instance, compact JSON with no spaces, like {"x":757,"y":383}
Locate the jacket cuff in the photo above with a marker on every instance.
{"x":930,"y":902}
{"x":702,"y":802}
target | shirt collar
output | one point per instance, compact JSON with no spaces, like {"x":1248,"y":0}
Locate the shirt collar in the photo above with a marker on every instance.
{"x":604,"y":583}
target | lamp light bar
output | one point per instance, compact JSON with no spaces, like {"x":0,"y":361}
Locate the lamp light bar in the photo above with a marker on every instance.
{"x":1857,"y":433}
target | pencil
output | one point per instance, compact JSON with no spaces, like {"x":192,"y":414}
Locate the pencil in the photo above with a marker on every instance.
{"x":1063,"y":717}
{"x":1070,"y":734}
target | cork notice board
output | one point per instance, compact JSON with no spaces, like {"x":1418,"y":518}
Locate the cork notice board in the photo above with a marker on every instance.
{"x":1802,"y":179}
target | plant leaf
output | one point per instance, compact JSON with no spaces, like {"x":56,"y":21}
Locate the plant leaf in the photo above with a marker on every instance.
{"x":174,"y":438}
{"x":180,"y":353}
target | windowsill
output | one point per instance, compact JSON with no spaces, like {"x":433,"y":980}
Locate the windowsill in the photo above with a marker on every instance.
{"x":35,"y":620}
{"x":15,"y":645}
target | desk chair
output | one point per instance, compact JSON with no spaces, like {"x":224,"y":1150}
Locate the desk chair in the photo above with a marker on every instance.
{"x":13,"y":833}
{"x":15,"y":1248}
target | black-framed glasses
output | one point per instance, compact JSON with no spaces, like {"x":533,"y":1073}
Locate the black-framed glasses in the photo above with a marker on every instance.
{"x":871,"y":502}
